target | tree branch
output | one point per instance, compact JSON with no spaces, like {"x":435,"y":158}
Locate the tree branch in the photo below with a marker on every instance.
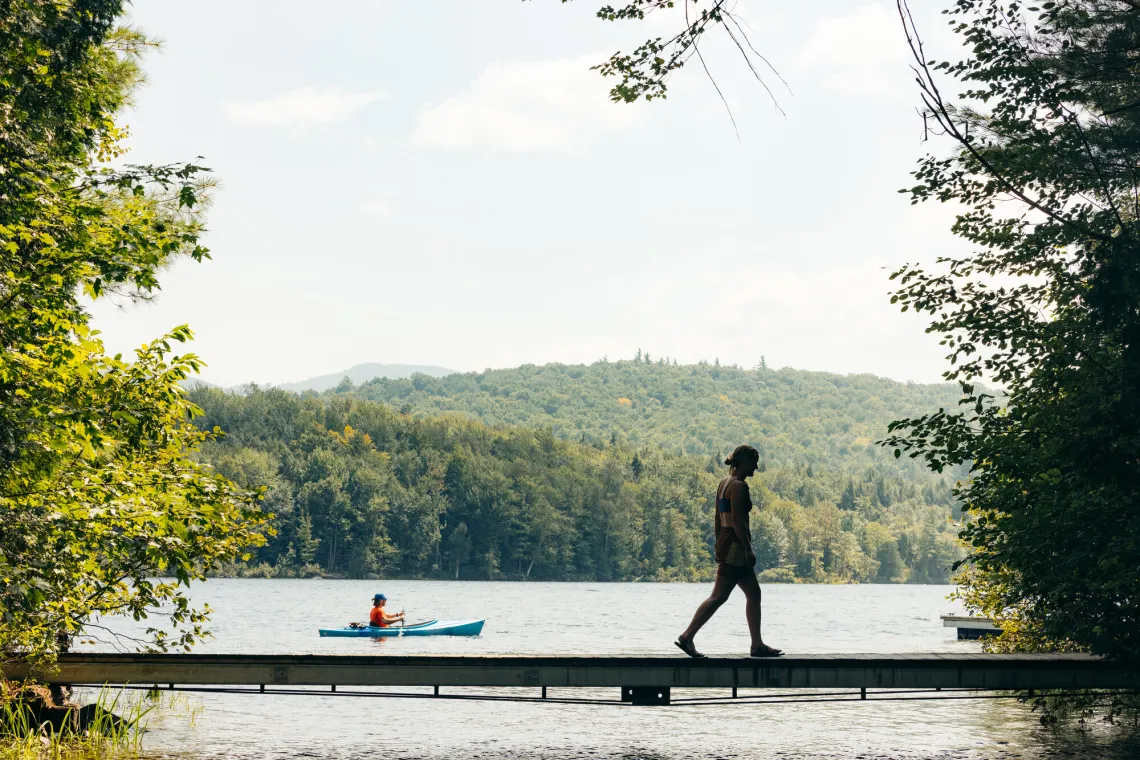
{"x":934,"y":102}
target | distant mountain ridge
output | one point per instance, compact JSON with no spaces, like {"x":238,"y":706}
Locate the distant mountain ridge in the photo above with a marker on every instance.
{"x":792,"y":416}
{"x":362,"y":373}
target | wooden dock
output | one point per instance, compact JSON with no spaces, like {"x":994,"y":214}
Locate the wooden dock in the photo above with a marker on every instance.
{"x":634,"y":675}
{"x":970,"y":627}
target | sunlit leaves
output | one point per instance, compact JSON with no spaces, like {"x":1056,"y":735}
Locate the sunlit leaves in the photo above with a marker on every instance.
{"x":99,"y":490}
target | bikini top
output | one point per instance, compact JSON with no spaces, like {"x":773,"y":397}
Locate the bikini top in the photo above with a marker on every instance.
{"x":724,"y":503}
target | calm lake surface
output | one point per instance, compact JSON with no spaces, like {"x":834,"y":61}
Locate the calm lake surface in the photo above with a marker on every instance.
{"x":276,"y":616}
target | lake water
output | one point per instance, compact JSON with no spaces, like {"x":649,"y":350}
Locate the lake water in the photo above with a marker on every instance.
{"x":276,"y":616}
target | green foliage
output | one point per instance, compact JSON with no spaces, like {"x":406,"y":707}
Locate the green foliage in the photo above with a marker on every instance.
{"x":363,"y":489}
{"x":769,"y":541}
{"x":644,"y":74}
{"x":97,"y":492}
{"x":777,"y":575}
{"x":794,"y":417}
{"x":1047,"y":140}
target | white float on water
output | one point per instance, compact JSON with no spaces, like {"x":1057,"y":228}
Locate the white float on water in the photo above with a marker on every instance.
{"x":970,"y":627}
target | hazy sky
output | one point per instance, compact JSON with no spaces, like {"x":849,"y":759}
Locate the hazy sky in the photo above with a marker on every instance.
{"x":445,"y":182}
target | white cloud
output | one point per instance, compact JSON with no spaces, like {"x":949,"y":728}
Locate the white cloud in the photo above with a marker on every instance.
{"x":553,"y":106}
{"x":861,"y":52}
{"x":303,"y":107}
{"x":377,"y":208}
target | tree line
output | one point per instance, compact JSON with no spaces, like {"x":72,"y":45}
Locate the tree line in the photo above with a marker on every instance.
{"x":360,"y":489}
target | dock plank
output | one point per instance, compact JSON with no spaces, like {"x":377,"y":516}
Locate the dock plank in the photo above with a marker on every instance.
{"x":882,"y":671}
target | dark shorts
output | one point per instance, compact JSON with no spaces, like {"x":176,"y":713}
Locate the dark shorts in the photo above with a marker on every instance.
{"x":734,"y":572}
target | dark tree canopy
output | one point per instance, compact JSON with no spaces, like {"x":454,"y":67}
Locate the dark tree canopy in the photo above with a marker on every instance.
{"x":1047,"y":136}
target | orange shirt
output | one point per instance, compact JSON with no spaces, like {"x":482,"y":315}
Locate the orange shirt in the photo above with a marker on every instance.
{"x":376,"y":617}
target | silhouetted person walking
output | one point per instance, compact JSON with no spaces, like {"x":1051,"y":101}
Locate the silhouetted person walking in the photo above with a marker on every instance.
{"x":735,"y":560}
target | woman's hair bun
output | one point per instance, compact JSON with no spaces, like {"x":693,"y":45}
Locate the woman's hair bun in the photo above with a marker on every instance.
{"x":741,"y":454}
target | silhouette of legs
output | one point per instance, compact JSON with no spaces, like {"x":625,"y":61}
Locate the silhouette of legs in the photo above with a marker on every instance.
{"x":722,"y":589}
{"x":751,"y":588}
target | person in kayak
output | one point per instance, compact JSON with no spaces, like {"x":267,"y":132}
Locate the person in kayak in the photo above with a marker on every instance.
{"x":378,"y":618}
{"x":735,"y":559}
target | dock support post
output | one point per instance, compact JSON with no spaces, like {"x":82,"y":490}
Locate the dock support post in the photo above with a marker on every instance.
{"x":862,"y":692}
{"x":261,"y":688}
{"x":436,"y":692}
{"x":544,"y":692}
{"x":734,"y":692}
{"x":334,"y":688}
{"x":645,"y":695}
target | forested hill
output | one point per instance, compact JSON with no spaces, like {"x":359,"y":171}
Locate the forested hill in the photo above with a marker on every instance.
{"x":358,"y":489}
{"x":363,"y":372}
{"x":792,"y":416}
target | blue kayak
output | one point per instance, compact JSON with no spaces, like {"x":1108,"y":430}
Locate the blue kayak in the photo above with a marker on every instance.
{"x":429,"y":628}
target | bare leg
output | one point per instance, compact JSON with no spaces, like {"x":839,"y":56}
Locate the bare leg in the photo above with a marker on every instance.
{"x":722,"y":588}
{"x":751,"y":589}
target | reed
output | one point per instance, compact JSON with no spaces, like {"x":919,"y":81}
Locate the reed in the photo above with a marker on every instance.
{"x":174,"y":705}
{"x":111,"y":727}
